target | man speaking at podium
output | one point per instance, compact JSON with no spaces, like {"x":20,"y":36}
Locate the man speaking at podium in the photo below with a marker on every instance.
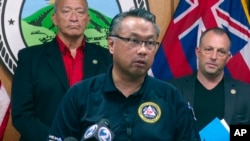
{"x":137,"y":106}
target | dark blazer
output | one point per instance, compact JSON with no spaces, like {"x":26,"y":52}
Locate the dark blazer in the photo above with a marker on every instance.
{"x":40,"y":82}
{"x":237,"y":97}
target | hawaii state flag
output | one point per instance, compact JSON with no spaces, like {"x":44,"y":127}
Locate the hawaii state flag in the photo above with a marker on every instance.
{"x":4,"y":110}
{"x":176,"y":55}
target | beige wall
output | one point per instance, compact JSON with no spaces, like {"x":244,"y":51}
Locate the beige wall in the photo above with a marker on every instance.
{"x":163,"y":9}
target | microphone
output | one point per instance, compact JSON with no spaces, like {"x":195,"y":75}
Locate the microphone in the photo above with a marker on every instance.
{"x":54,"y":138}
{"x":99,"y":132}
{"x":70,"y":139}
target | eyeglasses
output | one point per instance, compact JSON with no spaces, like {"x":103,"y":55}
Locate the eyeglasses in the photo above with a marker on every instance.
{"x":133,"y":42}
{"x":220,"y":52}
{"x":67,"y":11}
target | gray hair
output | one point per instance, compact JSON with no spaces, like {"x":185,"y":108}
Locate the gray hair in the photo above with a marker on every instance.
{"x":56,"y":4}
{"x":140,"y":13}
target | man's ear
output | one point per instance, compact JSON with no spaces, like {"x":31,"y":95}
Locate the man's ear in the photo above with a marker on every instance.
{"x":111,"y":44}
{"x":87,"y":19}
{"x":53,"y":18}
{"x":197,"y":51}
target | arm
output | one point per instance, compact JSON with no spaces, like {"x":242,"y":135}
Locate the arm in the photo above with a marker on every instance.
{"x":23,"y":104}
{"x":67,"y":122}
{"x":186,"y":129}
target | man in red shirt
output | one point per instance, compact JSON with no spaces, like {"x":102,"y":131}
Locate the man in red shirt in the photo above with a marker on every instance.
{"x":45,"y":72}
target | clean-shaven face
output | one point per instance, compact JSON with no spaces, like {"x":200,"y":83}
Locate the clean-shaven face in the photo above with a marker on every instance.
{"x":71,"y":17}
{"x":213,"y":53}
{"x":133,"y":60}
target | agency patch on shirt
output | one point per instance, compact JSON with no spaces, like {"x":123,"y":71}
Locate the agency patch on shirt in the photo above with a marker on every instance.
{"x":149,"y":112}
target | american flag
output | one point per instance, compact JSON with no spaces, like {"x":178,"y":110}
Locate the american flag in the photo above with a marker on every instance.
{"x":4,"y":110}
{"x":176,"y":55}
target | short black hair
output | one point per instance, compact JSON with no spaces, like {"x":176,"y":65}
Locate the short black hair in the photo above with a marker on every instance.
{"x":137,"y":12}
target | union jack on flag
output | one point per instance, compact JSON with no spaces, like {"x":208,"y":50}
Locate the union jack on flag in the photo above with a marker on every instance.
{"x":176,"y":56}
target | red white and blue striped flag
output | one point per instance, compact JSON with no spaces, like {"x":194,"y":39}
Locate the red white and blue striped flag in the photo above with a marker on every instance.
{"x":176,"y":55}
{"x":4,"y":110}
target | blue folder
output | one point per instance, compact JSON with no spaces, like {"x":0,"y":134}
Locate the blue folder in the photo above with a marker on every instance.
{"x":215,"y":131}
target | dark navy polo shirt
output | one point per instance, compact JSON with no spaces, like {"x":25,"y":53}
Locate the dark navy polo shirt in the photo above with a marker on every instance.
{"x":156,"y":112}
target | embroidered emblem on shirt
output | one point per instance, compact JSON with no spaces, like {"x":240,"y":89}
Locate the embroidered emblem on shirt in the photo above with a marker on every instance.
{"x":149,"y":112}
